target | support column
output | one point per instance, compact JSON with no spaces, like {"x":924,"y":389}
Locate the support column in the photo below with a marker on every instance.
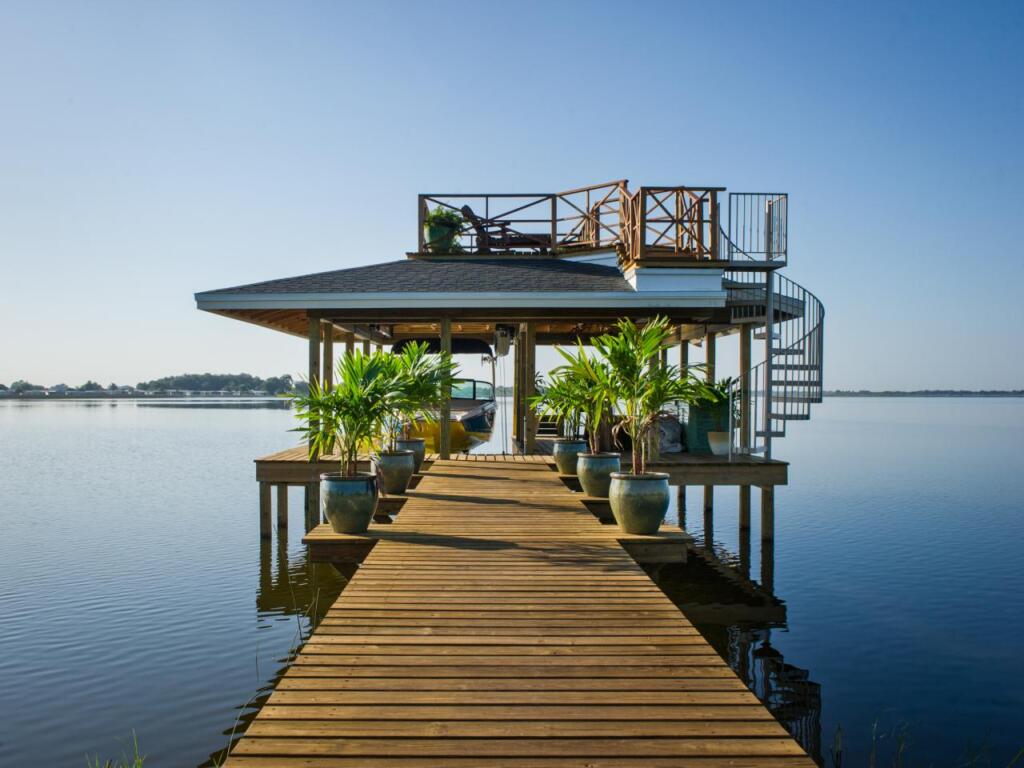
{"x":530,"y":387}
{"x":768,"y":538}
{"x":709,"y":375}
{"x":327,"y":378}
{"x":282,"y":506}
{"x":366,"y":346}
{"x":445,"y":427}
{"x":745,"y":530}
{"x":517,"y":387}
{"x":745,"y":411}
{"x":312,"y":489}
{"x":684,"y":366}
{"x":350,"y":343}
{"x":264,"y":510}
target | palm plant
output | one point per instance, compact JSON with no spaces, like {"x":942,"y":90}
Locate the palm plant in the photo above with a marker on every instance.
{"x":592,"y":386}
{"x":349,"y":415}
{"x":562,"y":398}
{"x":426,"y":380}
{"x":641,"y":386}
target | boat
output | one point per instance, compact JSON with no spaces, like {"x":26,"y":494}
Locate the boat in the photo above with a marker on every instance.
{"x":472,"y":416}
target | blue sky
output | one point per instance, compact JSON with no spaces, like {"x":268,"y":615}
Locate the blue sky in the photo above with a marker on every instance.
{"x":150,"y":150}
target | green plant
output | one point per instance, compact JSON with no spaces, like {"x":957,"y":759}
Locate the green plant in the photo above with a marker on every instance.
{"x":444,"y":217}
{"x":133,"y":760}
{"x":591,"y":385}
{"x":425,"y":380}
{"x":717,"y":393}
{"x":350,"y":414}
{"x":640,"y":384}
{"x":562,"y":397}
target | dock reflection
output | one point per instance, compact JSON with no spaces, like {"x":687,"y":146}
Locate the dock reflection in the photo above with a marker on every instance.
{"x":737,"y":613}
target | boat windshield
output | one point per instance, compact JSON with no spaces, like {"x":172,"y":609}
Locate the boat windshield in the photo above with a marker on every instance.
{"x":468,"y":389}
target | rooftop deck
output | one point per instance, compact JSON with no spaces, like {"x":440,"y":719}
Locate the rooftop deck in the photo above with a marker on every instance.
{"x":496,"y":622}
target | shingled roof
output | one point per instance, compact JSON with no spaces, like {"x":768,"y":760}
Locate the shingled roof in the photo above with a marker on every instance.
{"x":449,"y":275}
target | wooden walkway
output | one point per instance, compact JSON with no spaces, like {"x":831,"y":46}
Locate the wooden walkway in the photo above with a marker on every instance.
{"x":500,"y":624}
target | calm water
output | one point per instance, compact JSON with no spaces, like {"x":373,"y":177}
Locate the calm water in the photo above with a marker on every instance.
{"x":137,"y":596}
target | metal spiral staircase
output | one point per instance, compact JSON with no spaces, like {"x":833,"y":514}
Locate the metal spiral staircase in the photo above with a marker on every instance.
{"x":784,"y":386}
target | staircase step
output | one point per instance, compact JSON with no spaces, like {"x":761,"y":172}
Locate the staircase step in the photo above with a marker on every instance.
{"x":791,"y":416}
{"x":795,"y":367}
{"x":786,"y":398}
{"x":791,"y":351}
{"x":773,"y":433}
{"x":761,"y":335}
{"x":801,"y":383}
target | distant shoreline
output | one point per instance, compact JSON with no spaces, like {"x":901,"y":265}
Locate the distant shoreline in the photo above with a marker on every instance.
{"x":926,"y":393}
{"x":44,"y":397}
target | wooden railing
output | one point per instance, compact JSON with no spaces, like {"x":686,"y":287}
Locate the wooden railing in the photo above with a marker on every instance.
{"x":649,"y":226}
{"x":673,"y":223}
{"x":586,"y":218}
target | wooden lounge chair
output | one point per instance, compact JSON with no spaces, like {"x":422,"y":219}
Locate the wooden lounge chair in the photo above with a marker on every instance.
{"x":495,"y":235}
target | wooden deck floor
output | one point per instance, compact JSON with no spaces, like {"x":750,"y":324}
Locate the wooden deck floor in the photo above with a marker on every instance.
{"x":506,"y":628}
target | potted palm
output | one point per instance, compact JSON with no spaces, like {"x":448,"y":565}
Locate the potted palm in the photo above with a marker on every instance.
{"x":441,"y":228}
{"x":426,"y":379}
{"x":593,"y":379}
{"x":395,"y":465}
{"x":641,"y":388}
{"x":562,"y":398}
{"x":347,"y":416}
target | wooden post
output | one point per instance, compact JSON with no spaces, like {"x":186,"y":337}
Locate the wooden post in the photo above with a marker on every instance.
{"x":328,"y":359}
{"x":517,"y":386}
{"x":684,"y":364}
{"x":530,"y":387}
{"x":715,"y":227}
{"x":350,"y":342}
{"x":421,"y":215}
{"x":314,"y":351}
{"x":768,"y":538}
{"x":264,"y":510}
{"x":366,"y":346}
{"x":313,"y":489}
{"x":745,"y":530}
{"x":709,"y":356}
{"x":445,"y":430}
{"x":282,"y":506}
{"x":745,"y":333}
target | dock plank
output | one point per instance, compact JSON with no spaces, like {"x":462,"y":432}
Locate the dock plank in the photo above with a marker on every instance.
{"x":496,"y":622}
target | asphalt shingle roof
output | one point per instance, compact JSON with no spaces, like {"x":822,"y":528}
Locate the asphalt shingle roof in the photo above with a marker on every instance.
{"x":450,"y":275}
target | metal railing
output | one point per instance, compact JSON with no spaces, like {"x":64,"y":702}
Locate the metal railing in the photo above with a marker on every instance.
{"x":758,"y":225}
{"x":785,"y":385}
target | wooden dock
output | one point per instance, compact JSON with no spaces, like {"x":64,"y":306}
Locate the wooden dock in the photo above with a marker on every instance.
{"x":497,"y":622}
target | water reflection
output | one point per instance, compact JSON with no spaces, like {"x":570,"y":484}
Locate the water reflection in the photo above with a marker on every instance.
{"x":737,"y":614}
{"x":290,"y":588}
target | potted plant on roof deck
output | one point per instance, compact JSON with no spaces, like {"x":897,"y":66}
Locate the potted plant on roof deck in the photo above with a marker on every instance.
{"x":441,"y":229}
{"x":347,"y":416}
{"x":563,"y":398}
{"x":642,"y":386}
{"x":592,"y":377}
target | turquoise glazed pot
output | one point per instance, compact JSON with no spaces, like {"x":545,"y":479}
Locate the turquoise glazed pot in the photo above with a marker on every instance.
{"x":418,"y":446}
{"x":639,"y":502}
{"x":348,"y":501}
{"x":440,"y":239}
{"x":595,"y":472}
{"x":394,"y":469}
{"x":565,"y":452}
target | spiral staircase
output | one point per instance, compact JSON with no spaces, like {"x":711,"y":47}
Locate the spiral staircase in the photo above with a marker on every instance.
{"x":782,"y":387}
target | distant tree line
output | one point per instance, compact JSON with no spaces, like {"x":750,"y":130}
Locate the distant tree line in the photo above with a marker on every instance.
{"x":192,"y":382}
{"x":219,"y":382}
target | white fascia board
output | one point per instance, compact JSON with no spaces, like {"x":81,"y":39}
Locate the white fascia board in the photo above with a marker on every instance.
{"x":460,"y":300}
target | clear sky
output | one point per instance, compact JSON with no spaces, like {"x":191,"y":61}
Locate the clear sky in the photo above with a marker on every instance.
{"x":152,"y":150}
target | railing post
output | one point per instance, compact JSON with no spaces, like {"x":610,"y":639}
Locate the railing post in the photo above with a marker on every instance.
{"x":641,"y":221}
{"x":769,"y":342}
{"x":715,"y":241}
{"x":421,"y":220}
{"x":745,"y":333}
{"x":554,"y":223}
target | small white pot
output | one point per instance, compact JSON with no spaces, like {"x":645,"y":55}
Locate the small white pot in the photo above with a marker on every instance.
{"x":719,"y":443}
